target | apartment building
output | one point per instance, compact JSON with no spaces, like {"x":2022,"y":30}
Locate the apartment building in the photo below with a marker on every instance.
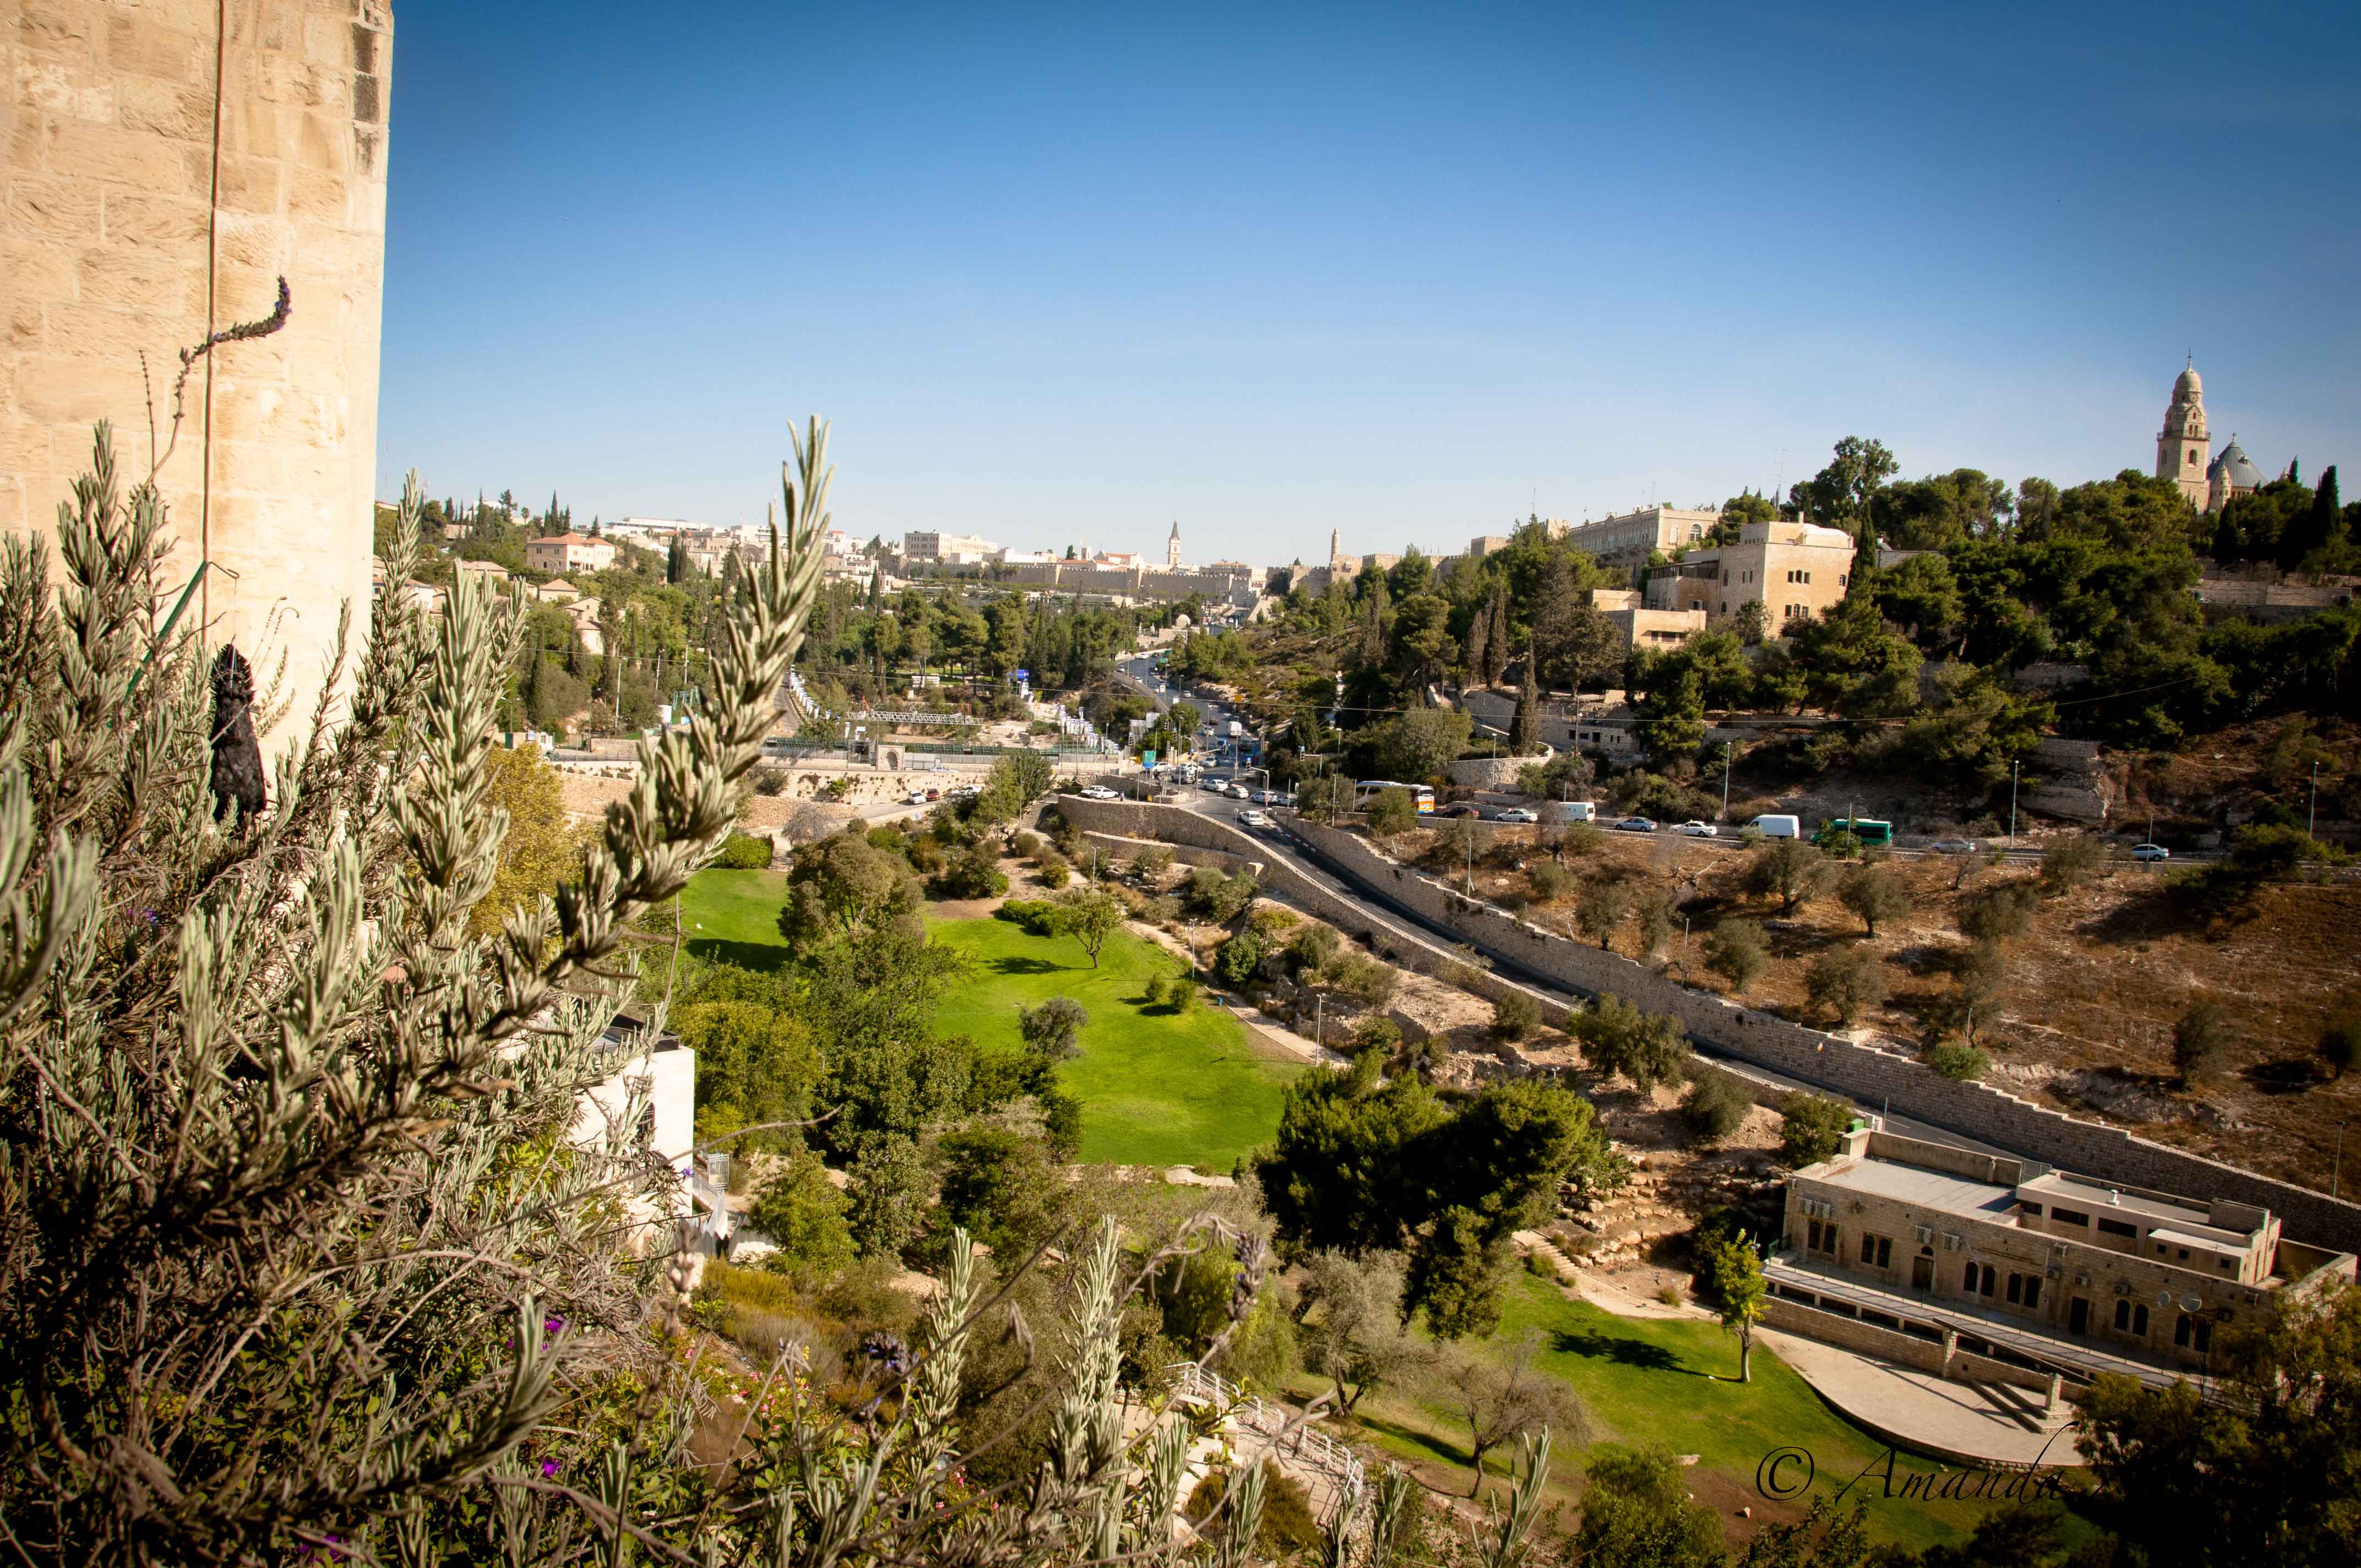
{"x":2074,"y":1271}
{"x":1794,"y":570}
{"x":1624,"y":542}
{"x":1641,"y":626}
{"x":564,"y":553}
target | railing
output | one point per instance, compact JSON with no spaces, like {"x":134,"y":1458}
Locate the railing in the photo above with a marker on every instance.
{"x":1290,"y":1432}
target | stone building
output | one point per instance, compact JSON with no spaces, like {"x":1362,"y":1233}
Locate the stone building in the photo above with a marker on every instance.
{"x":1794,"y":570}
{"x":1625,"y":542}
{"x":167,"y":163}
{"x":2182,"y":444}
{"x":568,"y":553}
{"x":1172,"y":548}
{"x":2063,"y":1269}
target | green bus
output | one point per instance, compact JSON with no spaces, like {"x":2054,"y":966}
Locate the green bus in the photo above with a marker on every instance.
{"x":1868,"y":830}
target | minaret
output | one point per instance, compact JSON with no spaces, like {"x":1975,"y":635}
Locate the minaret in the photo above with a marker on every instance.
{"x":1335,"y":548}
{"x":1172,"y":548}
{"x":2181,"y":445}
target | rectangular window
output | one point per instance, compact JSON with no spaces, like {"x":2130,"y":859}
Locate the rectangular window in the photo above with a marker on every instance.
{"x":2031,"y":1209}
{"x":2117,"y":1228}
{"x":2070,"y":1217}
{"x":1877,"y":1251}
{"x":2228,"y":1265}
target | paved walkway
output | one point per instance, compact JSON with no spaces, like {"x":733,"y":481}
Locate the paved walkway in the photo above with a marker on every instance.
{"x":1963,"y":1421}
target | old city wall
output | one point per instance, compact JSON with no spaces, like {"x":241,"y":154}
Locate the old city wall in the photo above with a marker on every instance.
{"x":1806,"y":1053}
{"x":167,"y":163}
{"x":1864,"y":1072}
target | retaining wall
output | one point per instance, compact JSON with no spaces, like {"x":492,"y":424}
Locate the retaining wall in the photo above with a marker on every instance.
{"x":1864,"y":1072}
{"x":1851,"y":1333}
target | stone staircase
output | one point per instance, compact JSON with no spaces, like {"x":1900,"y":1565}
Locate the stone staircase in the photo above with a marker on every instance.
{"x":1255,"y":1428}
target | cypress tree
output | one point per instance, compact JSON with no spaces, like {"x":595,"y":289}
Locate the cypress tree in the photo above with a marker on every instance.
{"x":1525,"y":729}
{"x":2315,"y":528}
{"x":1479,"y":628}
{"x":1497,"y":660}
{"x":2226,"y":546}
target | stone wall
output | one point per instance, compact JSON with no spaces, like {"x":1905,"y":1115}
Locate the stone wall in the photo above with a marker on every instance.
{"x":1864,"y":1072}
{"x":167,"y":163}
{"x":1851,"y":1333}
{"x":1493,"y":773}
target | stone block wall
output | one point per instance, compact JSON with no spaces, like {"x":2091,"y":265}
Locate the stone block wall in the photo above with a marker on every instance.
{"x":1868,"y":1074}
{"x":1851,"y":1333}
{"x":167,"y":163}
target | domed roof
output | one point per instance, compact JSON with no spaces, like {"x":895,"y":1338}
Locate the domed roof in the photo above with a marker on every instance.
{"x":2236,"y":467}
{"x":2188,"y":386}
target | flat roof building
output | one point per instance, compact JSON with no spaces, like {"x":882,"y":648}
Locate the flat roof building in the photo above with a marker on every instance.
{"x":1625,"y":542}
{"x":1794,"y":570}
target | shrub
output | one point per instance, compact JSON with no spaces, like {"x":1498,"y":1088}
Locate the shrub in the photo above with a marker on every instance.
{"x":1714,"y":1105}
{"x":972,"y":872}
{"x":1617,"y":1038}
{"x":1548,"y":879}
{"x":1312,"y":947}
{"x":1393,"y":812}
{"x":1737,"y":952}
{"x":1038,"y":915}
{"x":2201,"y":1042}
{"x":1583,"y":839}
{"x":1786,"y":869}
{"x":1152,"y":994}
{"x":1963,"y":1062}
{"x":1155,"y":862}
{"x":1239,"y":958}
{"x":1844,"y":980}
{"x":769,"y":780}
{"x":2067,"y":864}
{"x":1999,"y":913}
{"x":1052,"y":869}
{"x":1813,"y":1125}
{"x":1268,"y":920}
{"x":1601,"y":909}
{"x":1515,"y":1016}
{"x":1181,"y":995}
{"x":1287,"y":1525}
{"x":1375,"y":1034}
{"x":1024,"y":846}
{"x":1366,"y":981}
{"x":2340,"y":1048}
{"x":744,"y":853}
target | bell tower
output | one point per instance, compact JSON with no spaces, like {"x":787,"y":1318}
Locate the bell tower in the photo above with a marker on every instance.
{"x":2182,"y":444}
{"x":1172,"y":548}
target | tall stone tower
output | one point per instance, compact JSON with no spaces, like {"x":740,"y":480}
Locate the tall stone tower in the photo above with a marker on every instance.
{"x":2181,"y":445}
{"x":167,"y":163}
{"x":1172,"y":547}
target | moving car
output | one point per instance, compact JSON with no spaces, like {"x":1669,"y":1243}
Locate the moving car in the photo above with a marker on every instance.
{"x":1697,"y":829}
{"x":1461,"y":809}
{"x":1235,"y":791}
{"x":915,"y":798}
{"x":934,"y":795}
{"x":1517,"y":814}
{"x":1101,"y":792}
{"x":1250,"y":818}
{"x":1952,"y":847}
{"x":1778,"y":826}
{"x":2150,"y":852}
{"x":1635,"y":825}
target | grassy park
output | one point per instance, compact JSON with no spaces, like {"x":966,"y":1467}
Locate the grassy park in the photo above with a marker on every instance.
{"x":1156,"y":1087}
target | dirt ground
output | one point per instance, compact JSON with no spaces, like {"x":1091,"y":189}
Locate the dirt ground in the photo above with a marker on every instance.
{"x":2091,"y":993}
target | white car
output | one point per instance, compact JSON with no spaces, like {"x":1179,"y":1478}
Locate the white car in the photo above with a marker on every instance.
{"x":1235,"y":791}
{"x":915,"y":798}
{"x":1697,"y":829}
{"x":1517,"y":814}
{"x":1952,"y":847}
{"x":1101,"y":792}
{"x":2150,"y":852}
{"x":1253,"y":818}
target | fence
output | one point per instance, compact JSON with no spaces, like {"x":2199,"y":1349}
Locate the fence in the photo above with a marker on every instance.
{"x":1290,"y":1432}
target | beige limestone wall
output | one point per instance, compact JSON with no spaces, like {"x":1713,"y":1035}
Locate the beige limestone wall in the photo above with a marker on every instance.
{"x":167,"y":161}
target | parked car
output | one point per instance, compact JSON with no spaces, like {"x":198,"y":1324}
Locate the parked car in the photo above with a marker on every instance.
{"x":1952,"y":847}
{"x":1635,"y":825}
{"x":965,"y":792}
{"x":1697,"y":829}
{"x":1459,"y":809}
{"x":1250,"y":818}
{"x":1101,"y":792}
{"x":915,"y":798}
{"x":2150,"y":852}
{"x":934,"y":795}
{"x":1517,"y":814}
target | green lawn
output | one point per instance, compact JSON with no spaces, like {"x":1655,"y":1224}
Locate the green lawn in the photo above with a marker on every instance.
{"x":1671,"y":1380}
{"x":733,"y":916}
{"x":1156,"y":1088}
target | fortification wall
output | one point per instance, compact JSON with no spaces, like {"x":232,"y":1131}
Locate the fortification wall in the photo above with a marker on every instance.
{"x":166,"y":164}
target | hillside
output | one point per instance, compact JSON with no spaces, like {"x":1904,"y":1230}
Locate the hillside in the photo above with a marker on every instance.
{"x":2088,"y":995}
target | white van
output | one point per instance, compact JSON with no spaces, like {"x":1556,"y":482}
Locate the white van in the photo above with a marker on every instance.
{"x":1580,"y":810}
{"x":1777,"y":826}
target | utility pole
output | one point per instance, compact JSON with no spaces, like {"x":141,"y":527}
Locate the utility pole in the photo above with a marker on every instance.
{"x":2012,"y":804}
{"x":2311,"y":812}
{"x":2336,"y":1171}
{"x":1728,"y":749}
{"x":1320,"y":1022}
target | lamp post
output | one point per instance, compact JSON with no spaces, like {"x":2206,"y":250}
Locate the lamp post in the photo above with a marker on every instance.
{"x":2311,"y":812}
{"x":2336,"y":1171}
{"x":2012,"y":803}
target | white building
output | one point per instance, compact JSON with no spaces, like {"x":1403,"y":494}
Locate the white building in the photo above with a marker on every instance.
{"x":947,"y":549}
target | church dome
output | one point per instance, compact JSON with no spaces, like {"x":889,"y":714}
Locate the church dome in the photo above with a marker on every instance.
{"x":2188,"y":386}
{"x":2236,"y":468}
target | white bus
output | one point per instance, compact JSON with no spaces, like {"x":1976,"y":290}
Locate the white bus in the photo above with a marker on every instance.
{"x":1368,"y":790}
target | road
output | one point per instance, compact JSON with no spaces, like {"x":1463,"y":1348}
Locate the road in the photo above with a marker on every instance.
{"x":1405,"y":923}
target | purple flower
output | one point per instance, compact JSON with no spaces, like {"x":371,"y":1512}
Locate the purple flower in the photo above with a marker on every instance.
{"x":551,"y":1323}
{"x":548,"y":1467}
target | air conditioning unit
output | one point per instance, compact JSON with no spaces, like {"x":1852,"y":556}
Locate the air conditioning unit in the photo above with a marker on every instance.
{"x":1926,"y":1235}
{"x":1953,"y":1241}
{"x":2083,"y":1281}
{"x":2053,"y":1272}
{"x":2123,"y":1286}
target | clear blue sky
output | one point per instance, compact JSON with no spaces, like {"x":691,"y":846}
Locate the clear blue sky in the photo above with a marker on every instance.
{"x":1074,"y":272}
